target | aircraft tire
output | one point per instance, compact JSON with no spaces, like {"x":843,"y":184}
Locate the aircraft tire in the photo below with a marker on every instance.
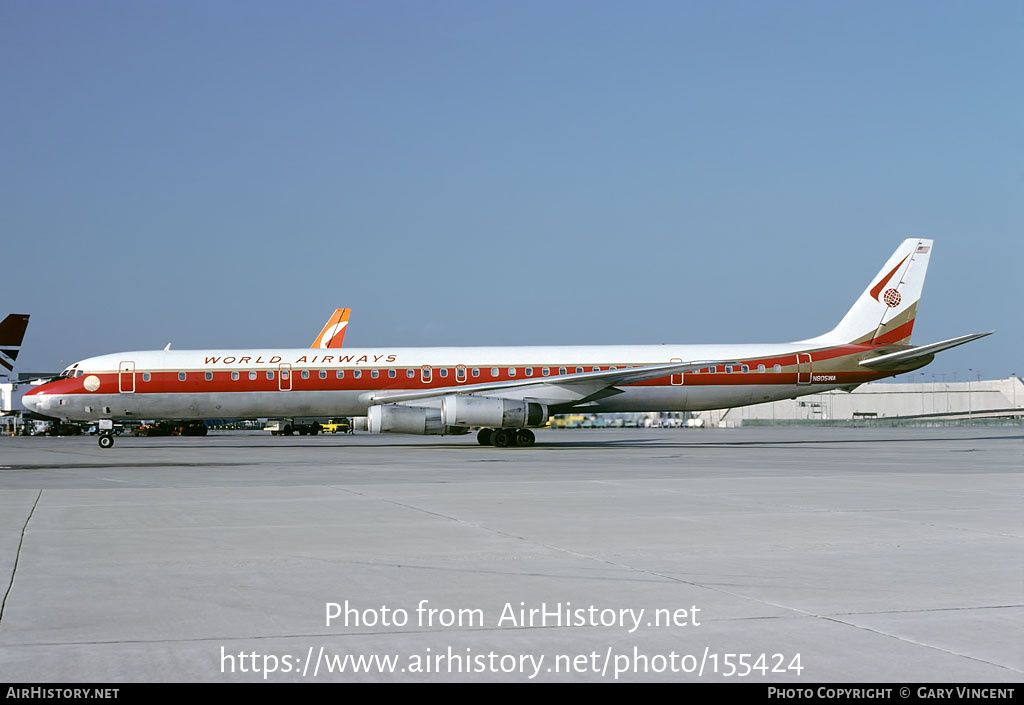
{"x":525,"y":438}
{"x":483,"y":436}
{"x":106,"y":440}
{"x":501,"y":438}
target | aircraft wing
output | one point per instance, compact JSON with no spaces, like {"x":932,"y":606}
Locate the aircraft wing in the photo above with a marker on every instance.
{"x":903,"y":356}
{"x":559,"y":389}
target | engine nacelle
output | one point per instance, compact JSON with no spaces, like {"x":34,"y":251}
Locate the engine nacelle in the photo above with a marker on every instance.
{"x":418,"y":420}
{"x":466,"y":410}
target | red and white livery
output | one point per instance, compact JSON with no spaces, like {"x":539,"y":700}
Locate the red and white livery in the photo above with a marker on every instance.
{"x":504,"y":391}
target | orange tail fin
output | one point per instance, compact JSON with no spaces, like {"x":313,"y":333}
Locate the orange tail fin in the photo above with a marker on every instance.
{"x":334,"y":332}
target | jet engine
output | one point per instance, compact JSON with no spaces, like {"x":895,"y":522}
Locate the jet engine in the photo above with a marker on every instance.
{"x":418,"y":420}
{"x":465,"y":410}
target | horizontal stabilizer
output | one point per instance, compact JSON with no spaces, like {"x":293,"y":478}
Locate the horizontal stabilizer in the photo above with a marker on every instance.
{"x":904,"y":356}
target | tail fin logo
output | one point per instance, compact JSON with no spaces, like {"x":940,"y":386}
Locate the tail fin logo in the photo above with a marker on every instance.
{"x":892,"y":297}
{"x":331,"y":333}
{"x":12,"y":332}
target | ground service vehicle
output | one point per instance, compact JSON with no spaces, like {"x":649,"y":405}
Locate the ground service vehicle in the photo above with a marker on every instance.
{"x":288,"y":426}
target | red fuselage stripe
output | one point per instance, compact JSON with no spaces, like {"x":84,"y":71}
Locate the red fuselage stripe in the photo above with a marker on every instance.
{"x":220,"y":381}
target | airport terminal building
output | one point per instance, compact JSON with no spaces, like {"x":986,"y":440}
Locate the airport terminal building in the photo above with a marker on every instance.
{"x":938,"y":400}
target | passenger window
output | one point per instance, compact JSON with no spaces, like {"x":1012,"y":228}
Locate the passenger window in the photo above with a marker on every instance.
{"x":392,"y":373}
{"x":323,"y":374}
{"x":579,"y":370}
{"x":529,"y":372}
{"x":511,"y":371}
{"x":760,"y":368}
{"x":209,"y":376}
{"x":410,"y":374}
{"x":181,"y":376}
{"x":460,"y":373}
{"x":426,"y":374}
{"x":145,"y":376}
{"x":713,"y":370}
{"x":357,"y":373}
{"x":476,"y":371}
{"x":545,"y":371}
{"x":728,"y":368}
{"x":234,"y":376}
{"x":340,"y":374}
{"x":252,"y":375}
{"x":284,"y":375}
{"x":305,"y":374}
{"x":778,"y":369}
{"x":375,"y":373}
{"x":561,"y":370}
{"x":494,"y":372}
{"x":746,"y":369}
{"x":443,"y":372}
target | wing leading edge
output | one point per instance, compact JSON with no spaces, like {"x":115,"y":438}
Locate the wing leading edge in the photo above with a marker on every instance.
{"x":559,"y":389}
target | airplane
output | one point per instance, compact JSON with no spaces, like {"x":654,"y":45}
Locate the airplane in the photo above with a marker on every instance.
{"x":334,"y":330}
{"x":12,"y":332}
{"x":504,"y":391}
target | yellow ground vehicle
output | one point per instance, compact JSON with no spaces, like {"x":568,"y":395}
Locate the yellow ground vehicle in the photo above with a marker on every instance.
{"x":337,"y":426}
{"x":567,"y":421}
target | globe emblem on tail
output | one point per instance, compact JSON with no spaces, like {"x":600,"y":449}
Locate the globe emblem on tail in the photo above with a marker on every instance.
{"x":892,"y":298}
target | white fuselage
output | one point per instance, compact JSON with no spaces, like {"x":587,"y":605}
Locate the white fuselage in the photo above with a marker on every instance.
{"x":194,"y":384}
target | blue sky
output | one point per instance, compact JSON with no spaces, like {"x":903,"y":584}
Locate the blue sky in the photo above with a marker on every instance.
{"x":224,"y":174}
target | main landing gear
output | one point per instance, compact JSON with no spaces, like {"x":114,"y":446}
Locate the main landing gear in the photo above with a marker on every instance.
{"x":505,"y":437}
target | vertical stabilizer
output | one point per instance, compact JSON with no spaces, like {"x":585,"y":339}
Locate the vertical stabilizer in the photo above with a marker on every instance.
{"x":333,"y":333}
{"x":885,"y":312}
{"x":12,"y":332}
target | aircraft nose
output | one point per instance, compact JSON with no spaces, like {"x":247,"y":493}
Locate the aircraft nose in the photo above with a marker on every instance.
{"x":36,"y":400}
{"x":30,"y":401}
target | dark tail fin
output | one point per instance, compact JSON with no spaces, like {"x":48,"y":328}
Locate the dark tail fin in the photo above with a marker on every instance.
{"x":12,"y":332}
